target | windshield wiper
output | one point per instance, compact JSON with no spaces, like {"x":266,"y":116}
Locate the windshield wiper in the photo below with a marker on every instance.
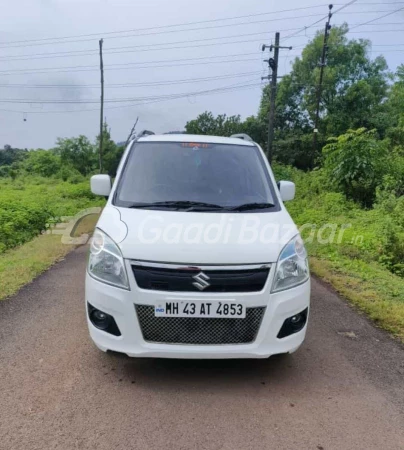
{"x":179,"y":204}
{"x":250,"y":206}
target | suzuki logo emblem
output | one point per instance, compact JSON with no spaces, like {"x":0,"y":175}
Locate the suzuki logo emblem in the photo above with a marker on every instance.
{"x":201,"y":281}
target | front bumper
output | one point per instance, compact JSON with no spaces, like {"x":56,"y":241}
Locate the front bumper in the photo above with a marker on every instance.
{"x":120,"y":304}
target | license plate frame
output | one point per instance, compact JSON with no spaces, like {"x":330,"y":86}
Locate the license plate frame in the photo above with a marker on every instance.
{"x":209,"y":309}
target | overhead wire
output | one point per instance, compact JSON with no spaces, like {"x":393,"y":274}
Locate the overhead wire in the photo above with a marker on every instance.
{"x":172,"y":97}
{"x":112,"y":100}
{"x":121,"y":85}
{"x":187,"y":41}
{"x":15,"y":44}
{"x":95,"y":52}
{"x":5,"y":45}
{"x":136,"y":65}
{"x":127,"y":49}
{"x":320,"y":20}
{"x":167,"y":26}
{"x":378,"y":18}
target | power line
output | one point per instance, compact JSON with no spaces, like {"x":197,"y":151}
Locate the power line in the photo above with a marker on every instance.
{"x":155,"y":99}
{"x":123,"y":99}
{"x":162,"y":27}
{"x":147,"y":47}
{"x":137,"y":68}
{"x":333,"y":44}
{"x":353,"y":32}
{"x":125,"y":85}
{"x":137,"y":63}
{"x":92,"y":52}
{"x":129,"y":65}
{"x":133,"y":63}
{"x":94,"y":100}
{"x":323,"y":18}
{"x":80,"y":53}
{"x":163,"y":32}
{"x":151,"y":84}
{"x":233,"y":42}
{"x":378,"y":18}
{"x":376,"y":31}
{"x":124,"y":66}
{"x":164,"y":98}
{"x":7,"y":44}
{"x":141,"y":46}
{"x":173,"y":97}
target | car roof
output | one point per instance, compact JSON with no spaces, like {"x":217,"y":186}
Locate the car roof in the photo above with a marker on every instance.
{"x":195,"y":138}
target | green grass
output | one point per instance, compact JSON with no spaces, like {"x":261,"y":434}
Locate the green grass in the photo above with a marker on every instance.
{"x":369,"y":287}
{"x":22,"y":264}
{"x":29,"y":204}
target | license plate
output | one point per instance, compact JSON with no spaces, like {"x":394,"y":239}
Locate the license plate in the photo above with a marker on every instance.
{"x":230,"y":310}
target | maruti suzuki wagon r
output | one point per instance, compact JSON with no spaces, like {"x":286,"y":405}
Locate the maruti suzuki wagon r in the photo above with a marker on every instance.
{"x":195,"y":255}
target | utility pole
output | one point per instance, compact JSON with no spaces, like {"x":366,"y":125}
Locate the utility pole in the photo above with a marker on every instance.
{"x":320,"y":84}
{"x":273,"y":65}
{"x":102,"y":106}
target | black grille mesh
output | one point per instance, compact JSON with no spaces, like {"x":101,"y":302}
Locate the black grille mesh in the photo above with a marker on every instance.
{"x":220,"y":280}
{"x":199,"y":331}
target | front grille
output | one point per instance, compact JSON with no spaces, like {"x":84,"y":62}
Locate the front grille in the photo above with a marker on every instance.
{"x":199,"y":331}
{"x":181,"y":279}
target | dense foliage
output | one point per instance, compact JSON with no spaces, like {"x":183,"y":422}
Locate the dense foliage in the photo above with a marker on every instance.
{"x":70,"y":160}
{"x":357,"y":92}
{"x":38,"y":187}
{"x":29,"y":204}
{"x":371,"y":235}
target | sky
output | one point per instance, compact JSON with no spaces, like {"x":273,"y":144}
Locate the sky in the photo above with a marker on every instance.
{"x":165,"y":61}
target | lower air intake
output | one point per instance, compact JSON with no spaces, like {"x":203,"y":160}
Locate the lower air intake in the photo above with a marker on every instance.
{"x":199,"y":331}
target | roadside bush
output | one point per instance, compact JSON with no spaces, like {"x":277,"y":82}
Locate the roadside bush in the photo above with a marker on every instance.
{"x":374,"y":235}
{"x":41,"y":162}
{"x":28,"y":204}
{"x":356,"y":163}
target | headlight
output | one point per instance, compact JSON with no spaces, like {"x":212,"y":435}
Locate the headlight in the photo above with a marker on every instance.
{"x":292,"y":268}
{"x":105,"y":262}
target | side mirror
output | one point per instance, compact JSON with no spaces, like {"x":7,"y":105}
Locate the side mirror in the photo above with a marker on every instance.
{"x":287,"y":190}
{"x":101,"y":185}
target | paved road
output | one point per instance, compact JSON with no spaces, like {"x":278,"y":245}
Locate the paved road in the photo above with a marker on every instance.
{"x":343,"y":390}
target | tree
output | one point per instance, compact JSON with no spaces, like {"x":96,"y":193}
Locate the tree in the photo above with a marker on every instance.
{"x":42,"y":162}
{"x":78,"y":153}
{"x":256,"y":129}
{"x":11,"y":155}
{"x":356,"y":163}
{"x":221,"y":125}
{"x":354,"y":88}
{"x":394,"y":105}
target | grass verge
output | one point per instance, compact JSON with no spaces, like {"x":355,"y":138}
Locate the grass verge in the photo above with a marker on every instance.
{"x":21,"y":265}
{"x":371,"y":288}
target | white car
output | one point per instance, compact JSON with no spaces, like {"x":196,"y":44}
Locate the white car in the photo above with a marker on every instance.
{"x":195,"y":255}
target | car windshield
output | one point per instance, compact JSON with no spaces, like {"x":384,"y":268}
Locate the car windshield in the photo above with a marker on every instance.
{"x":191,"y":176}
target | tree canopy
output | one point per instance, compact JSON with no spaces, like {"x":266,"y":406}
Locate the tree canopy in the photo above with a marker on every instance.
{"x":357,"y":92}
{"x":353,"y":93}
